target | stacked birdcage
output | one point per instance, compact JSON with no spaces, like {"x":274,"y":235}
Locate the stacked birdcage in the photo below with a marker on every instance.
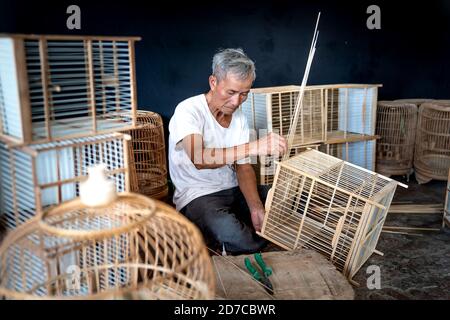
{"x":132,"y":248}
{"x":350,"y":122}
{"x":327,"y":204}
{"x":61,"y":100}
{"x":272,"y":109}
{"x":396,"y":126}
{"x":432,"y":148}
{"x":339,"y":117}
{"x":148,"y":156}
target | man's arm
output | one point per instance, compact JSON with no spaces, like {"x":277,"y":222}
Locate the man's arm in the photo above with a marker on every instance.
{"x":212,"y":158}
{"x":247,"y":183}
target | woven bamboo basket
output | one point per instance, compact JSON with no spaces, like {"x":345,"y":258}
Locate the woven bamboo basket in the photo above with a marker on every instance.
{"x":135,"y":246}
{"x":62,"y":87}
{"x":432,"y":149}
{"x":396,"y":125}
{"x":329,"y":205}
{"x":148,"y":156}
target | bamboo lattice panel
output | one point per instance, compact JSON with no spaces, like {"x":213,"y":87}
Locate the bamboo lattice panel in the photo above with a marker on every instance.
{"x":266,"y":165}
{"x":55,"y":87}
{"x":350,"y":112}
{"x":360,"y":153}
{"x":148,"y":156}
{"x":135,"y":245}
{"x":272,"y":110}
{"x":396,"y":125}
{"x":41,"y":175}
{"x":329,"y":205}
{"x":432,"y":150}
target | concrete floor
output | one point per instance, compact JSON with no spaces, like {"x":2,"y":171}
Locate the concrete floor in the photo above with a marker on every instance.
{"x":413,"y":266}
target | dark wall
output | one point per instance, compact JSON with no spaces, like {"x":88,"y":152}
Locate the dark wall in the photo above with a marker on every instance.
{"x":409,"y":55}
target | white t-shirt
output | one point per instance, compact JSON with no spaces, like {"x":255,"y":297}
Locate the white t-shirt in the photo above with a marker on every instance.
{"x":192,"y":116}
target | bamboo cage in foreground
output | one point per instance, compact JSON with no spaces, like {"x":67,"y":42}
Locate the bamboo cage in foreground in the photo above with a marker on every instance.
{"x":447,"y":203}
{"x":324,"y":203}
{"x":36,"y":176}
{"x":135,"y":248}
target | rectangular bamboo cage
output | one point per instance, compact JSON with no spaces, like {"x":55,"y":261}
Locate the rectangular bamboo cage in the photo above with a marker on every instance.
{"x":329,"y":205}
{"x":272,"y":109}
{"x":350,"y":111}
{"x":37,"y":176}
{"x":54,"y":87}
{"x":360,"y":153}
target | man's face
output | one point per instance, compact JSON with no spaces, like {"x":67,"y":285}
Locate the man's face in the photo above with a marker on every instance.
{"x":229,"y":93}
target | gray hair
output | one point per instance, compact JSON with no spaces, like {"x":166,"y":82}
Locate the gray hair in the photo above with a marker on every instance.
{"x":233,"y":61}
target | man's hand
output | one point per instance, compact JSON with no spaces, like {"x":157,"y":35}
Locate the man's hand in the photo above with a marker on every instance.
{"x":257,"y":215}
{"x":271,"y":144}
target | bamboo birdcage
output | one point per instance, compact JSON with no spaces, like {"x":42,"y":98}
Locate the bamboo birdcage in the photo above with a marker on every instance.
{"x":360,"y":153}
{"x":350,"y":112}
{"x":55,"y":87}
{"x":39,"y":175}
{"x":396,"y":125}
{"x":148,"y":156}
{"x":432,"y":149}
{"x":135,"y":247}
{"x":329,"y":205}
{"x":271,"y":109}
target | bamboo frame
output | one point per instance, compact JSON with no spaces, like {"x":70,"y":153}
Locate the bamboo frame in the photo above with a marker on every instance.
{"x":36,"y":176}
{"x":134,"y":248}
{"x":396,"y":125}
{"x":329,"y":205}
{"x":334,"y":113}
{"x":350,"y":112}
{"x":360,"y":153}
{"x":265,"y":167}
{"x":432,"y":148}
{"x":271,"y":109}
{"x":66,"y":86}
{"x":148,"y":156}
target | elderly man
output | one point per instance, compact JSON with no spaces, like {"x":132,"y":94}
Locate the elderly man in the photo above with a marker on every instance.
{"x":209,"y":158}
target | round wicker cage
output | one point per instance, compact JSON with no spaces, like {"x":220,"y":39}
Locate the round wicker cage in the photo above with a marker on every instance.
{"x":148,"y":156}
{"x":396,"y":125}
{"x":135,"y":247}
{"x":432,"y":150}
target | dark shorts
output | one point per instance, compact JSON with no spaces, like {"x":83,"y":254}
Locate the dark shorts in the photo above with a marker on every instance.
{"x":224,"y":219}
